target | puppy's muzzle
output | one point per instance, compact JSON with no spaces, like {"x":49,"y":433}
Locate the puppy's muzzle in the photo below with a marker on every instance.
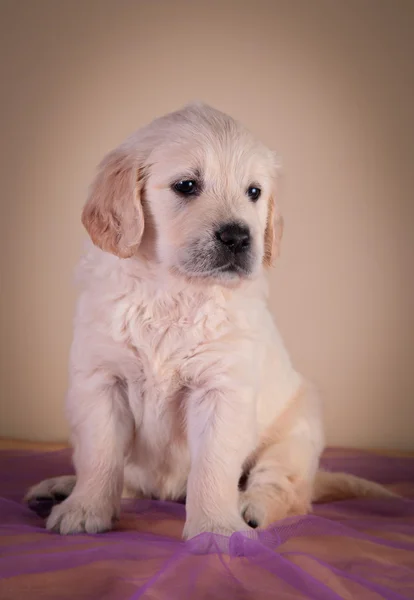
{"x":234,"y":237}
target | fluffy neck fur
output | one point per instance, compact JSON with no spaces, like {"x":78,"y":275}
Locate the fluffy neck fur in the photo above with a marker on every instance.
{"x":160,"y":286}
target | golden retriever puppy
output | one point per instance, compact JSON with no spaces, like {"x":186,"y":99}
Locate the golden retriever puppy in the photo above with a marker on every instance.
{"x":180,"y":385}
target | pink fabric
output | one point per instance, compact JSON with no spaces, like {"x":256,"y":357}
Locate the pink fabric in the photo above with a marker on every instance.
{"x":359,"y":549}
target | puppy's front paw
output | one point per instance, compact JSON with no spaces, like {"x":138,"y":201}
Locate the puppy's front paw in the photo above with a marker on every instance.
{"x":194,"y":527}
{"x":75,"y":515}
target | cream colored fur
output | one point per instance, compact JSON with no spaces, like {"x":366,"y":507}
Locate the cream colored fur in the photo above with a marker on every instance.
{"x":180,"y":381}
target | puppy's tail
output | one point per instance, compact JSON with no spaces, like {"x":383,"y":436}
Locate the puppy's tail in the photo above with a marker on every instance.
{"x":329,"y":487}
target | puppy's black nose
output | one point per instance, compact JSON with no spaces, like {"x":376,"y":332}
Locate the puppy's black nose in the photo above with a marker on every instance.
{"x":235,"y":236}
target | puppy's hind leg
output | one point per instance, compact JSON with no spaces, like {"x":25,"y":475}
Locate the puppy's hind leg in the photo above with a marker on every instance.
{"x":279,"y":481}
{"x":274,"y":489}
{"x":44,"y":495}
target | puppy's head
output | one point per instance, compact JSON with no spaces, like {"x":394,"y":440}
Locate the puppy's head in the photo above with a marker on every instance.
{"x":193,"y":191}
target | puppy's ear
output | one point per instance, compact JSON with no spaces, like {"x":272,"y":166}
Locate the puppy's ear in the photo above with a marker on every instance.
{"x":113,"y":214}
{"x":273,"y":233}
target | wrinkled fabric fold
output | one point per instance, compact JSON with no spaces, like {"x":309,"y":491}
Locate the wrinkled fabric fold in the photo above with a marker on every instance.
{"x":356,"y":549}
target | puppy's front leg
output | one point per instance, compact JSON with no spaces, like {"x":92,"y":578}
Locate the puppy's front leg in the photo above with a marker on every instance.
{"x":101,"y":428}
{"x":221,"y":433}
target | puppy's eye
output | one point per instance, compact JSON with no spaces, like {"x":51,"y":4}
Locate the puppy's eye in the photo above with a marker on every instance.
{"x":254,"y":192}
{"x":186,"y":187}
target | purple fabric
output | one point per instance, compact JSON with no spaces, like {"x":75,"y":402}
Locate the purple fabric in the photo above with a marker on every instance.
{"x":359,"y":549}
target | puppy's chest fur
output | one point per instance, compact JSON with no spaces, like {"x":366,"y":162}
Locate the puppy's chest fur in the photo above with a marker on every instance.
{"x":161,"y":335}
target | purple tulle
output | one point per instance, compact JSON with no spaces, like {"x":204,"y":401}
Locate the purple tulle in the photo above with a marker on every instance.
{"x":359,"y":549}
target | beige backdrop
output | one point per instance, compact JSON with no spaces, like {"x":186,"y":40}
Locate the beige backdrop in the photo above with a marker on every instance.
{"x":328,"y":84}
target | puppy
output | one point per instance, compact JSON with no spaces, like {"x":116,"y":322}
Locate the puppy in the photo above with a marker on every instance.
{"x":180,"y":385}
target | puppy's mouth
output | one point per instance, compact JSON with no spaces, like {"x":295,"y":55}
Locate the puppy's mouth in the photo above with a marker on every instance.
{"x":205,"y":259}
